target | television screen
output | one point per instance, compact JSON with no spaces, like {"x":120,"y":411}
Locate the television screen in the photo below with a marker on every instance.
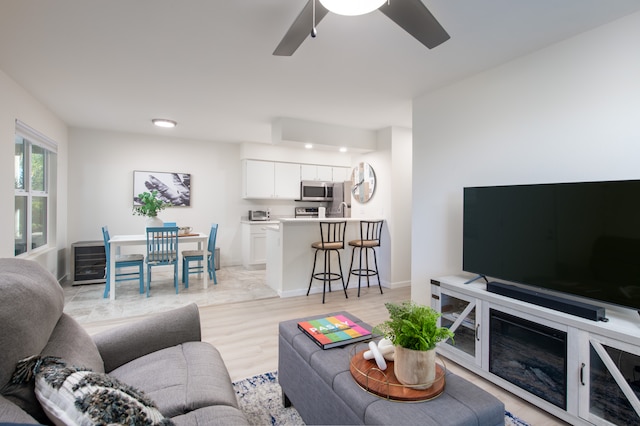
{"x":581,"y":239}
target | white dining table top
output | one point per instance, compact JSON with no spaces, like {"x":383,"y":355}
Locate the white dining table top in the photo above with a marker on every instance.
{"x":136,"y":238}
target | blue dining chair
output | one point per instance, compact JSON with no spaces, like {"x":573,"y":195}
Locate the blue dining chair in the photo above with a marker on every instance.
{"x":122,"y":261}
{"x":162,"y":250}
{"x":189,"y":256}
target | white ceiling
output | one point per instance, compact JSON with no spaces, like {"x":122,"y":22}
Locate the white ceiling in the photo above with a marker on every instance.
{"x":208,"y":64}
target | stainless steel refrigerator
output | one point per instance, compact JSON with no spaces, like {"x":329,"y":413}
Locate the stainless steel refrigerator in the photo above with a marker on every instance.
{"x":340,"y":206}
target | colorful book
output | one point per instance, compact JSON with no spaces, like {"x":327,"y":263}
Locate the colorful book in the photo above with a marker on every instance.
{"x":338,"y":330}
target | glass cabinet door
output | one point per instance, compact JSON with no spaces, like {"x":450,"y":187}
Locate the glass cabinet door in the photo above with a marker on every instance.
{"x":614,"y":384}
{"x":459,"y":315}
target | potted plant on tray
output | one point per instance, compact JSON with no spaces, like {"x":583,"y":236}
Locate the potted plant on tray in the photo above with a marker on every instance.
{"x":150,"y":206}
{"x":414,"y":331}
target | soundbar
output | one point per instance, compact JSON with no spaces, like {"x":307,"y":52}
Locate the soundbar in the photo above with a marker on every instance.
{"x":568,"y":306}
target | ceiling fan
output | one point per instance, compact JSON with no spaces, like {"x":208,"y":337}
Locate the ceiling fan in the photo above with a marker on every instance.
{"x":411,"y":15}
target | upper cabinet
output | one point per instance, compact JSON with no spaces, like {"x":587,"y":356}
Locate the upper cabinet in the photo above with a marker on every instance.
{"x":315,"y":172}
{"x":325,"y":173}
{"x":341,"y":174}
{"x":267,"y":180}
{"x":287,"y":181}
{"x":258,"y":179}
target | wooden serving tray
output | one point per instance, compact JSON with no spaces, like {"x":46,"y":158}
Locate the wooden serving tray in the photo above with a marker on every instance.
{"x":385,"y":384}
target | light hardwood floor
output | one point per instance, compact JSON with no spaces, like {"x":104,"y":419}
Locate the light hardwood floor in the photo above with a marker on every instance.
{"x":246,"y":334}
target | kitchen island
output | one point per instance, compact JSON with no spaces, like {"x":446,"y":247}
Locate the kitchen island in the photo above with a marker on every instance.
{"x":290,"y":256}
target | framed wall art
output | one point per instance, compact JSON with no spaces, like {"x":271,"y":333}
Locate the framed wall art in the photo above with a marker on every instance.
{"x":173,"y":188}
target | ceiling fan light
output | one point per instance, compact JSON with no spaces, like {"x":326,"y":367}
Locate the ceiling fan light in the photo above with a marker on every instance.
{"x":352,"y":7}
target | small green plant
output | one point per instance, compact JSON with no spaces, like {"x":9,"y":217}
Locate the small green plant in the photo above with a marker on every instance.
{"x":413,"y":326}
{"x":150,"y":204}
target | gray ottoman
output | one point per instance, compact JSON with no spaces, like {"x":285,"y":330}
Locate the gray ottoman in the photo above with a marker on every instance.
{"x":319,"y":385}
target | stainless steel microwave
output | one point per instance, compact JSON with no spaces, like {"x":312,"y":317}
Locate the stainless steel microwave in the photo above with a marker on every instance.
{"x":316,"y":190}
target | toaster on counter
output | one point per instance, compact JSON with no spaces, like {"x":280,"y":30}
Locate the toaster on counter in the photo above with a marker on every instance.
{"x":258,"y":215}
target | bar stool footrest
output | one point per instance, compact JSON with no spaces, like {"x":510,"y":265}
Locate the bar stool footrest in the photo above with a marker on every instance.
{"x":327,"y":276}
{"x":364,"y":272}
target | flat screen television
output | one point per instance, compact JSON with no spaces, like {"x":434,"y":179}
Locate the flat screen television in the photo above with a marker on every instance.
{"x":581,"y":239}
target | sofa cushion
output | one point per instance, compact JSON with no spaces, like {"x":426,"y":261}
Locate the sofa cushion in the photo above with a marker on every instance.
{"x":193,"y":376}
{"x":10,"y":412}
{"x":120,"y":345}
{"x":216,"y":415}
{"x":32,"y":303}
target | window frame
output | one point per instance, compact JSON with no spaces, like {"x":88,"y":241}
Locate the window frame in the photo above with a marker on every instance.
{"x":30,"y":138}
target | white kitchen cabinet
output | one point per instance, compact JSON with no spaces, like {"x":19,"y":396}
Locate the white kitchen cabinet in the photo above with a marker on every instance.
{"x":258,"y":179}
{"x":268,"y":180}
{"x":582,"y":371}
{"x":316,"y":172}
{"x":254,"y":245}
{"x":287,"y":181}
{"x":340,"y":174}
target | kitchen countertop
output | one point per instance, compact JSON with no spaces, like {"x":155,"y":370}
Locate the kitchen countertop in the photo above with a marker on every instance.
{"x":260,"y":222}
{"x":324,"y":219}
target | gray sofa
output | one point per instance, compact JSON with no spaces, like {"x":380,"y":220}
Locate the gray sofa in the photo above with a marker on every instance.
{"x":162,"y":356}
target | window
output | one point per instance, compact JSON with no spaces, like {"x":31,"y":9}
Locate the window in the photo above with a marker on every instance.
{"x":35,"y":161}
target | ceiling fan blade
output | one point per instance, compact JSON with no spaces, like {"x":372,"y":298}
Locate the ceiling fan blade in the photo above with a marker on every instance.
{"x":300,"y":29}
{"x":414,"y":17}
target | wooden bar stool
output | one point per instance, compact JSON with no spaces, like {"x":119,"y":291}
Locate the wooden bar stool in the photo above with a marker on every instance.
{"x":370,"y":232}
{"x":331,"y":240}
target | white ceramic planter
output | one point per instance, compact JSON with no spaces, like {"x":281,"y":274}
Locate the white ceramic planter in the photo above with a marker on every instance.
{"x":152,"y":221}
{"x":415,"y":368}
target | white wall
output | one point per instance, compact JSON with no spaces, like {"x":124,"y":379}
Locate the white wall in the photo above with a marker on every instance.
{"x":570,"y":112}
{"x":391,"y":201}
{"x":17,"y":103}
{"x":400,"y":206}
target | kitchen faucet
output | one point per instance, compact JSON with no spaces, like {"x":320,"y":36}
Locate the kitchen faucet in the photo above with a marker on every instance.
{"x":346,"y":206}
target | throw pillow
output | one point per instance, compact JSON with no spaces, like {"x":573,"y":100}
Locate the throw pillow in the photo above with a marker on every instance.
{"x":79,"y":396}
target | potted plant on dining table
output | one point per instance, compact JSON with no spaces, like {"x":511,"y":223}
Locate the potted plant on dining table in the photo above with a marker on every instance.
{"x":150,"y":206}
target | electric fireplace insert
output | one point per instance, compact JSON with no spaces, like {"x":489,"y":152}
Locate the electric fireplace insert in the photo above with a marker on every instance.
{"x":532,"y":356}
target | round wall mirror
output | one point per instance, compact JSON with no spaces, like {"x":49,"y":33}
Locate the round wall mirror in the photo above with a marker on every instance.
{"x":363,"y":182}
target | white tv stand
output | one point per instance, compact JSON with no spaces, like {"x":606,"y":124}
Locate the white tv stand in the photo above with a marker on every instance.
{"x":602,"y":358}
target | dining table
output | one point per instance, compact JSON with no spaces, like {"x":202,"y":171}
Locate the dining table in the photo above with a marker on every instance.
{"x":116,"y":242}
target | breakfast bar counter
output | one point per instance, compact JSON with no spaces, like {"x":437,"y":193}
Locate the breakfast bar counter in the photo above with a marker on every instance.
{"x":290,"y":256}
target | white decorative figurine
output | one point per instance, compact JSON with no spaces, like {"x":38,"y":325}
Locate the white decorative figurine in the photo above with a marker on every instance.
{"x":383,"y":350}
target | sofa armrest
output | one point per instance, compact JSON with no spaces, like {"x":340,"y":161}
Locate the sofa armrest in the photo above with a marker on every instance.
{"x":123,"y":344}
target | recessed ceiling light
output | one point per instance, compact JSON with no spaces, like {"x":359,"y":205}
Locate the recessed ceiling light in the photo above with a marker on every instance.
{"x":308,"y":145}
{"x":343,"y":149}
{"x":163,"y":122}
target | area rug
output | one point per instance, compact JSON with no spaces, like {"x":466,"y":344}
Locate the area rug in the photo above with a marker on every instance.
{"x":260,"y":398}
